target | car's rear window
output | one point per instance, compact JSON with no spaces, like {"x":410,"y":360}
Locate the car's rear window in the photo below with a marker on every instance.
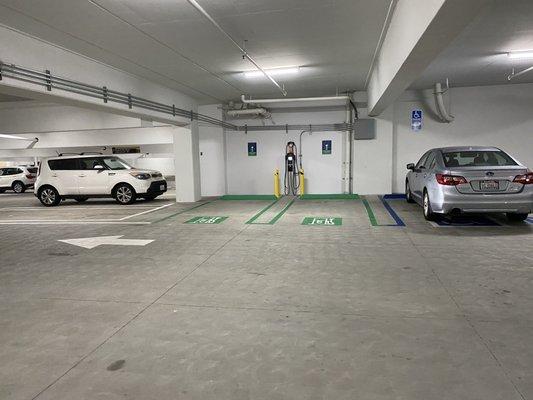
{"x":473,"y":158}
{"x":32,"y":170}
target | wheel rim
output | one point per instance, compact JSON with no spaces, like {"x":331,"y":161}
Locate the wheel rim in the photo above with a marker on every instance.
{"x":124,"y":194}
{"x":18,"y":188}
{"x":48,"y":196}
{"x":426,"y":204}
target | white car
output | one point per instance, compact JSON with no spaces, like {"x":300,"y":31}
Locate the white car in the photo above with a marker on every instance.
{"x":17,"y":179}
{"x":85,"y":176}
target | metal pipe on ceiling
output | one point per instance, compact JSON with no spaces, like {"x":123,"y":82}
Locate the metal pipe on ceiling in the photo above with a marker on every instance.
{"x":245,"y":54}
{"x":287,"y":100}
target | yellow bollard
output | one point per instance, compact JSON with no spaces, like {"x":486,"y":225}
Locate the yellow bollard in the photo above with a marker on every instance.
{"x":302,"y":182}
{"x":277,"y":193}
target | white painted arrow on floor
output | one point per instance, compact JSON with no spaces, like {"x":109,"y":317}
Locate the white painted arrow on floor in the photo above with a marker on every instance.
{"x":92,"y":242}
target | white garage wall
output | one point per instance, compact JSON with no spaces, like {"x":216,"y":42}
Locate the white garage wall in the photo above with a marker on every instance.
{"x":254,"y":175}
{"x":491,"y":115}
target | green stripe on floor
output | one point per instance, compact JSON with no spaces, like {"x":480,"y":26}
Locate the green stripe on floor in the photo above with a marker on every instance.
{"x":251,"y":220}
{"x":248,"y":197}
{"x":277,"y":217}
{"x":330,"y":197}
{"x":181,"y":212}
{"x":370,"y":213}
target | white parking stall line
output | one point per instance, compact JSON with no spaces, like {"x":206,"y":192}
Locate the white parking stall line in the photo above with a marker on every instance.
{"x":70,"y":222}
{"x":145,"y":212}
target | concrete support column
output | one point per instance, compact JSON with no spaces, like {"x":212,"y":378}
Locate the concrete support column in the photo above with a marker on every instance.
{"x":187,"y":162}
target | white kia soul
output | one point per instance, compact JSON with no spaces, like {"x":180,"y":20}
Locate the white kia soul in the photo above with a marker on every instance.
{"x":85,"y":176}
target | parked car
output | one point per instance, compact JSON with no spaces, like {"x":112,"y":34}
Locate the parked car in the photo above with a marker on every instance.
{"x":455,"y":180}
{"x":86,"y":176}
{"x":17,"y":179}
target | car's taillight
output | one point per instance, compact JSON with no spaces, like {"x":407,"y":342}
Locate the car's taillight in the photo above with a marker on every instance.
{"x":526,"y":179}
{"x":450,"y":180}
{"x":30,"y":176}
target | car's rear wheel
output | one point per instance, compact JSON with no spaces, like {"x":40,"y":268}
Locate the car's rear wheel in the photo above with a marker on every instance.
{"x":49,"y":196}
{"x":18,"y":187}
{"x":516,"y":217}
{"x":408,"y":194}
{"x":125,"y":194}
{"x":429,"y":215}
{"x":2,"y":190}
{"x":81,"y":199}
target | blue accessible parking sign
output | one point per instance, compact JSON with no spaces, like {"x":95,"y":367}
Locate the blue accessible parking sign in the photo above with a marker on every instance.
{"x":416,"y":120}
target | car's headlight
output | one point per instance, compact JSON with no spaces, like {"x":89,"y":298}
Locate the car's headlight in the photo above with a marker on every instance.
{"x":140,"y":175}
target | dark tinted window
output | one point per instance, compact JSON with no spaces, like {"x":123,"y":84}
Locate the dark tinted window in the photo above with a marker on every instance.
{"x":90,"y":163}
{"x":422,"y":160}
{"x":474,"y":158}
{"x":32,"y":170}
{"x":64,"y":164}
{"x":12,"y":171}
{"x":430,"y":161}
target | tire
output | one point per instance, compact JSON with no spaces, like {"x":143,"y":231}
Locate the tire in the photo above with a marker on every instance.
{"x":81,"y":199}
{"x":2,"y":190}
{"x":124,"y":194}
{"x":408,"y":194}
{"x":516,"y":217}
{"x":429,"y":215}
{"x":18,"y":187}
{"x":49,"y":196}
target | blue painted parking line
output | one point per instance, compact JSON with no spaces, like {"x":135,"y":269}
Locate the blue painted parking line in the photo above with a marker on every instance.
{"x":391,"y":211}
{"x":394,"y":196}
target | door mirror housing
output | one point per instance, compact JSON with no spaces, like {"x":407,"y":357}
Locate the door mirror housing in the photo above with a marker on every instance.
{"x":99,"y":167}
{"x":411,"y":166}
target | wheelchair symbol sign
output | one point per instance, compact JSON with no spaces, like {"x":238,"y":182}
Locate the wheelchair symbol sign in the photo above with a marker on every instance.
{"x":416,"y":120}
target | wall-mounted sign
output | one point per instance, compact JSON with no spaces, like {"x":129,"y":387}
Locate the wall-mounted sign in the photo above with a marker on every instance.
{"x":416,"y":120}
{"x":126,"y":150}
{"x":252,"y":149}
{"x":326,"y":146}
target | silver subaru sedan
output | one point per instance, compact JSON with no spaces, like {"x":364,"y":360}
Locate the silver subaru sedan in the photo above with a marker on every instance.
{"x":456,"y":180}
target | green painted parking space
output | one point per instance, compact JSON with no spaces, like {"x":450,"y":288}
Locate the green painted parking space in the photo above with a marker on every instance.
{"x":206,"y":220}
{"x":324,"y":221}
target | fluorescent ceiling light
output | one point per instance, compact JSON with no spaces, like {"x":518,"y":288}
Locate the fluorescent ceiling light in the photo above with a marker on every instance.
{"x":273,"y":72}
{"x":521,"y":55}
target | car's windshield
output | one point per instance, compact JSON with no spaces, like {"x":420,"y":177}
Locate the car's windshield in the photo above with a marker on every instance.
{"x":476,"y":158}
{"x":115,"y":163}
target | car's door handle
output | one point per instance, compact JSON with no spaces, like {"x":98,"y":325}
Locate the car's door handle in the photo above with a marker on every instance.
{"x":112,"y":173}
{"x":82,"y":176}
{"x":54,"y":175}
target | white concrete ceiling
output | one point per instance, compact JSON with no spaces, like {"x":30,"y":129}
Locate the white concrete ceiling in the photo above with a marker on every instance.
{"x":479,"y":55}
{"x":169,"y":42}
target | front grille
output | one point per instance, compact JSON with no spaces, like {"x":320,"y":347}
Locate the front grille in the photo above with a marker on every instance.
{"x":157,"y":175}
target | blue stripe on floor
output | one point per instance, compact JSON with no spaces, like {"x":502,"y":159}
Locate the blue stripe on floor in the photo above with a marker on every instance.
{"x":392,"y":213}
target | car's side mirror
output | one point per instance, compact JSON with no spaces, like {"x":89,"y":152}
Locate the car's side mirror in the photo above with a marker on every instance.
{"x":411,"y":166}
{"x":99,"y":168}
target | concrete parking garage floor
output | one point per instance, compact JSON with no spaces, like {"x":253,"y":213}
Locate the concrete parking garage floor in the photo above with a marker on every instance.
{"x":237,"y":310}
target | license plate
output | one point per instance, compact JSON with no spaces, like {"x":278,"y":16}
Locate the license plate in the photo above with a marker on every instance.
{"x":489,"y":185}
{"x":162,"y":187}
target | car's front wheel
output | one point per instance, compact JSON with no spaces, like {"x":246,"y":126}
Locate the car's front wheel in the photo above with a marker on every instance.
{"x":125,"y":194}
{"x":49,"y":196}
{"x":408,"y":194}
{"x":18,"y":187}
{"x":516,"y":217}
{"x":429,"y":215}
